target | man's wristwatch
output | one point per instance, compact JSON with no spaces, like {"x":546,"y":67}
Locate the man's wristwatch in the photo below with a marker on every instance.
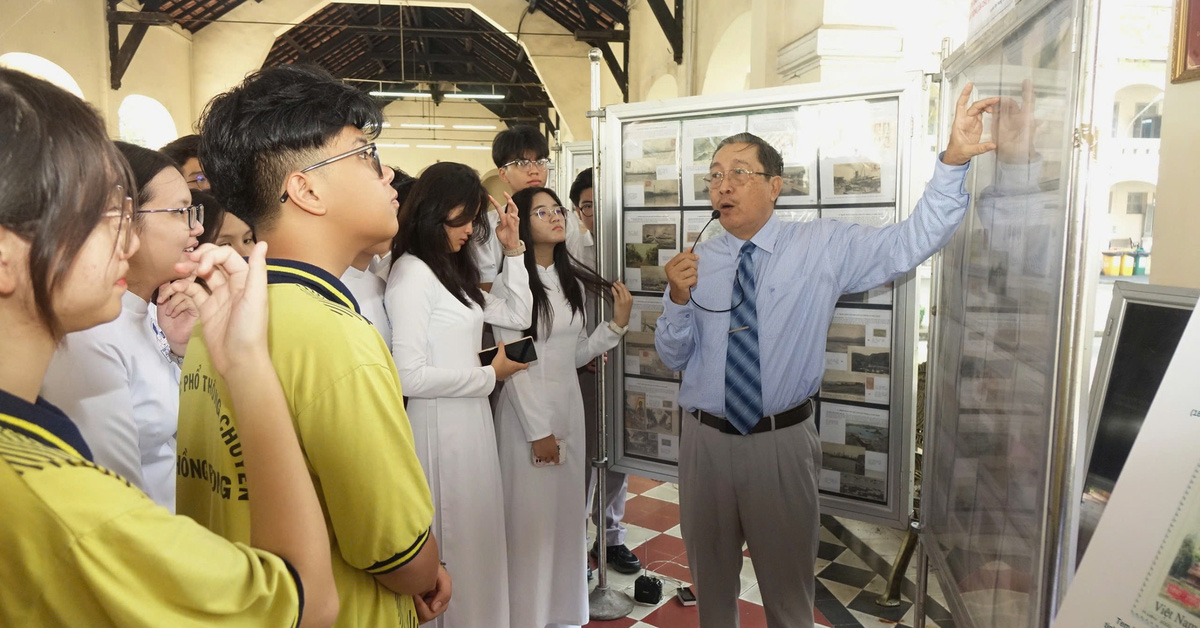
{"x":514,"y":252}
{"x":617,"y":329}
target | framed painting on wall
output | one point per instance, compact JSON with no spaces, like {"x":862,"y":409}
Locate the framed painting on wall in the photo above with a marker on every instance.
{"x":1185,"y":50}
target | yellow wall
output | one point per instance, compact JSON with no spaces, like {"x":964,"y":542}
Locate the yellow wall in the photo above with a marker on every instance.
{"x":73,"y":34}
{"x":1176,"y":257}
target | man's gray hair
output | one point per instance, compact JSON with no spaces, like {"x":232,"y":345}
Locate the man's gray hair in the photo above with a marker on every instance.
{"x":771,"y":160}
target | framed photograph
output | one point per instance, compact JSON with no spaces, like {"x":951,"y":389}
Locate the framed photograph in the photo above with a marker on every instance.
{"x":1185,"y":51}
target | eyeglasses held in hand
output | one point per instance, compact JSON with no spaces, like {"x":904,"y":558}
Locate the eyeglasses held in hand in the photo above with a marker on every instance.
{"x":528,"y":164}
{"x":195,"y":213}
{"x":368,"y":152}
{"x":548,"y":213}
{"x":737,"y":176}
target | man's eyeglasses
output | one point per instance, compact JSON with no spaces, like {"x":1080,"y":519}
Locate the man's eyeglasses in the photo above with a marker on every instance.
{"x":737,"y":176}
{"x":122,"y":218}
{"x":197,"y":178}
{"x":528,"y":164}
{"x":195,"y":213}
{"x":368,"y":152}
{"x":587,"y":209}
{"x":548,"y":213}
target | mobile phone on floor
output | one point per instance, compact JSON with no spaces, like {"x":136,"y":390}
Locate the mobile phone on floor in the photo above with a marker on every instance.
{"x":686,"y":597}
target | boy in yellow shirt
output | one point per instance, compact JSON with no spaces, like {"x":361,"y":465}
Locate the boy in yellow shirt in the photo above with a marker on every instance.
{"x":289,"y":152}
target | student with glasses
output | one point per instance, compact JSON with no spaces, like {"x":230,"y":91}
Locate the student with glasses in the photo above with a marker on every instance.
{"x":522,"y":158}
{"x":80,"y":546}
{"x":289,"y":150}
{"x":540,"y":418}
{"x":185,"y":152}
{"x":438,"y":312}
{"x":119,"y":381}
{"x":220,"y":226}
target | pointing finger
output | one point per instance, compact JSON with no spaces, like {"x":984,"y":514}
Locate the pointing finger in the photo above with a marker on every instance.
{"x":964,"y":97}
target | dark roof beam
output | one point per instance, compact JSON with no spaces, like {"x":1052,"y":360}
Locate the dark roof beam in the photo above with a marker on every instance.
{"x":672,"y":25}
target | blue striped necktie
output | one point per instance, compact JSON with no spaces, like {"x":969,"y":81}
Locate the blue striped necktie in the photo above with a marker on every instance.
{"x":743,"y":380}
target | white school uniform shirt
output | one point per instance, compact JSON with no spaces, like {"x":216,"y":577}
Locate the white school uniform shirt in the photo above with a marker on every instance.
{"x":367,"y":289}
{"x":115,"y":382}
{"x":435,"y":342}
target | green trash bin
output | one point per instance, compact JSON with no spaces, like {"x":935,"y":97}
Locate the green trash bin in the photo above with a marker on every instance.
{"x":1141,"y":262}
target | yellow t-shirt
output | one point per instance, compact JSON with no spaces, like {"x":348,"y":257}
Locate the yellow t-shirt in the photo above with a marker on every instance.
{"x":344,"y":396}
{"x":80,"y":546}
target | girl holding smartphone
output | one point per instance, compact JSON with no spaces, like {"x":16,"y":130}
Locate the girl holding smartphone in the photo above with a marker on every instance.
{"x":540,"y":421}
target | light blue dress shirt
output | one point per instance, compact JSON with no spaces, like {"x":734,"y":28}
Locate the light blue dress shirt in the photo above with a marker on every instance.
{"x":802,"y":268}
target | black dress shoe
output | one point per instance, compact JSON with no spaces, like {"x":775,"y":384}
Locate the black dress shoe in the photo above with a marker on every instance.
{"x":621,"y":559}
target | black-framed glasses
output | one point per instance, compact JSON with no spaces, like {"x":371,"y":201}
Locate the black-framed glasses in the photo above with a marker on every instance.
{"x":548,"y":213}
{"x":197,"y":178}
{"x":368,"y":152}
{"x":122,"y":217}
{"x":528,"y":164}
{"x":587,"y":209}
{"x":737,"y":176}
{"x":195,"y":213}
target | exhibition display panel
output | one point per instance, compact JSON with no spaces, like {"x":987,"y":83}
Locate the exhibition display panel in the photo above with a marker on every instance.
{"x":1010,"y":340}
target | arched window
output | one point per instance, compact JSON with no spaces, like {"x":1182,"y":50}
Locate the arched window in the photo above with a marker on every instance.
{"x":729,"y":66}
{"x":146,"y":122}
{"x":42,"y":68}
{"x":1137,"y":112}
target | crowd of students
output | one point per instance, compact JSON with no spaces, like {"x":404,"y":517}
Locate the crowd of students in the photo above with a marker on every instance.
{"x":242,"y":381}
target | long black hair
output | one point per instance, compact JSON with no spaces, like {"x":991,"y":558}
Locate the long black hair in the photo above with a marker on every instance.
{"x":573,"y":275}
{"x":58,"y":175}
{"x":438,"y":191}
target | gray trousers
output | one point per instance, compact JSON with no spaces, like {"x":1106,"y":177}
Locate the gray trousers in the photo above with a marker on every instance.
{"x":616,"y":484}
{"x":759,"y":489}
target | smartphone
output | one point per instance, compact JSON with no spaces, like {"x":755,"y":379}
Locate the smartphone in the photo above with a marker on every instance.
{"x":686,"y":597}
{"x":518,"y":351}
{"x":538,"y":462}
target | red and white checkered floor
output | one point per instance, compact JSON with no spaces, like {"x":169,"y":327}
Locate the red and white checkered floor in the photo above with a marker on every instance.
{"x":854,"y":559}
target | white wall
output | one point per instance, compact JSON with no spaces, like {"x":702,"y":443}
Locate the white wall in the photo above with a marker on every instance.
{"x":1176,"y":258}
{"x":1120,"y":224}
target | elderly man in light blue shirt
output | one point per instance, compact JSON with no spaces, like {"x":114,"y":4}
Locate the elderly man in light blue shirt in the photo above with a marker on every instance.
{"x":745,"y":317}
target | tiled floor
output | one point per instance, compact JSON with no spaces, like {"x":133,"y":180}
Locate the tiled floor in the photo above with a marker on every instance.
{"x":854,"y":559}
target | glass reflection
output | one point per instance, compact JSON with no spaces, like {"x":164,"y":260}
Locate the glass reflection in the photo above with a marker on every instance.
{"x":997,"y":332}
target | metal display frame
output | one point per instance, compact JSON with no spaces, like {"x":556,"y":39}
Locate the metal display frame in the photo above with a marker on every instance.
{"x":1054,"y":559}
{"x":912,"y":100}
{"x":570,"y":153}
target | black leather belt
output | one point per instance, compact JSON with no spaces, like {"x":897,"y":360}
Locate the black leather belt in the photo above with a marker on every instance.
{"x":787,"y":418}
